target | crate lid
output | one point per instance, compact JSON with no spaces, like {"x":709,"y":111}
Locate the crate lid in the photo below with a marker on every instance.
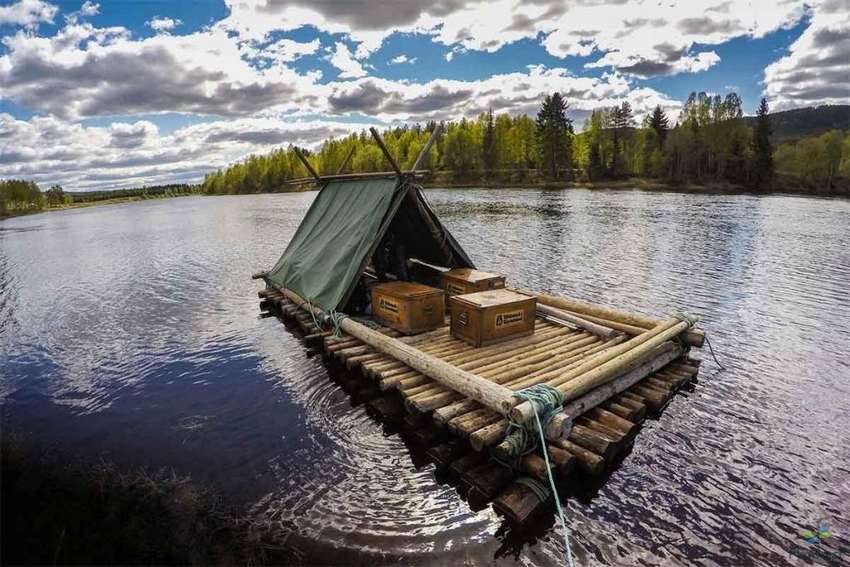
{"x":470,"y":275}
{"x":491,"y":298}
{"x":406,"y":289}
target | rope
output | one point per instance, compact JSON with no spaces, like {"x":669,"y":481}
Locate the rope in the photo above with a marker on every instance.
{"x":711,"y":350}
{"x":691,"y":320}
{"x":547,"y":400}
{"x":336,"y":321}
{"x":536,"y":487}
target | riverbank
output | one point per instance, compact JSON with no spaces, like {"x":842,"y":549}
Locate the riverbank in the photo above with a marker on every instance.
{"x":83,"y":204}
{"x":784,"y":185}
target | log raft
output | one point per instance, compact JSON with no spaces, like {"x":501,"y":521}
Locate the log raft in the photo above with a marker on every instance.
{"x":614,"y":368}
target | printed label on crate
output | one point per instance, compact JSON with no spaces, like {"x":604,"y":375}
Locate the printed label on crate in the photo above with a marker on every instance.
{"x":463,"y":318}
{"x":388,"y":305}
{"x":509,"y":318}
{"x":455,"y":289}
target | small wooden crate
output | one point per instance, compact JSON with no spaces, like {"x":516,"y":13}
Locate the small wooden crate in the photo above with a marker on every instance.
{"x":487,"y":317}
{"x":466,"y":280}
{"x":408,"y":307}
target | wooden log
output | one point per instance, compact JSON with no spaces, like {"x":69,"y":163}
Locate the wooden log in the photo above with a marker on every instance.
{"x":604,"y":366}
{"x":694,"y":337}
{"x":658,"y":358}
{"x":347,"y":159}
{"x":467,"y":463}
{"x":306,"y":163}
{"x":535,"y":466}
{"x":564,"y":461}
{"x":519,"y":503}
{"x":443,"y":454}
{"x":655,"y":399}
{"x":636,"y":407}
{"x":593,"y":440}
{"x":487,"y":480}
{"x":489,"y":394}
{"x":614,"y":421}
{"x":385,"y":151}
{"x":588,"y":461}
{"x":596,"y":329}
{"x":620,"y":410}
{"x":427,"y":147}
{"x":487,"y":436}
{"x":389,"y":408}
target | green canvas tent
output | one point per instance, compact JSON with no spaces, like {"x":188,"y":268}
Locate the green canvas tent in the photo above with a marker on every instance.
{"x":346,"y":224}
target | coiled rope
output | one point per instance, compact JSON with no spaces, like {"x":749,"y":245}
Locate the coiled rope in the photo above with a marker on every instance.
{"x":545,"y":400}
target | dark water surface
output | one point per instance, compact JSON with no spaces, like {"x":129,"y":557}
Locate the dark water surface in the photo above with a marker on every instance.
{"x":131,"y":332}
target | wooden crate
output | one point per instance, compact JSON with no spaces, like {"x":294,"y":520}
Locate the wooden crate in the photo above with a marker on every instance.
{"x":466,"y":280}
{"x":487,"y":317}
{"x":408,"y":307}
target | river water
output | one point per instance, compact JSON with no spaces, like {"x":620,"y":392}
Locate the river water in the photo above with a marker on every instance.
{"x":130,"y":332}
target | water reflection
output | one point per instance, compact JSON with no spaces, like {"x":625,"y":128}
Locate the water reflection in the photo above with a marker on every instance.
{"x":130,"y":331}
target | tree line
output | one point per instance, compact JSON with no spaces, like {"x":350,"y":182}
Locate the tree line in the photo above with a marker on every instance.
{"x":19,"y":196}
{"x":710,"y":142}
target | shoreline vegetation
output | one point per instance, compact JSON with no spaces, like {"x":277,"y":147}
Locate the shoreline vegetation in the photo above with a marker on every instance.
{"x":783,"y":185}
{"x":712,"y":148}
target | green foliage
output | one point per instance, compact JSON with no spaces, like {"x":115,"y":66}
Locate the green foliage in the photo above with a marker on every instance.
{"x":554,"y":133}
{"x":55,"y":196}
{"x":762,"y":170}
{"x":18,"y":195}
{"x":818,"y":160}
{"x":712,"y":142}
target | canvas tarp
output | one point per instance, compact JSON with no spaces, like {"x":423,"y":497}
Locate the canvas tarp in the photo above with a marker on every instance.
{"x":344,"y":226}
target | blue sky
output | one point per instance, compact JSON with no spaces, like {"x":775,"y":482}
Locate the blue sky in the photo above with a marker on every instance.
{"x":168,"y":90}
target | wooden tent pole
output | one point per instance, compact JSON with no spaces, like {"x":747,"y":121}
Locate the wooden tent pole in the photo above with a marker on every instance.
{"x":346,"y":160}
{"x":427,"y":147}
{"x":307,"y":164}
{"x":384,"y":149}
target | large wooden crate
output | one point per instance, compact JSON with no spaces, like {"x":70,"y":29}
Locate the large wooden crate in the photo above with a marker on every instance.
{"x":408,"y":307}
{"x":487,"y":317}
{"x":466,"y":280}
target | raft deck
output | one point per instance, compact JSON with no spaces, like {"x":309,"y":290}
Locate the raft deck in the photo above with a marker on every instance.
{"x":465,"y":436}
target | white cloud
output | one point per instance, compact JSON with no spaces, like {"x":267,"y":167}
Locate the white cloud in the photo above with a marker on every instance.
{"x":88,"y":8}
{"x":281,"y":51}
{"x":27,"y":13}
{"x":163,"y":25}
{"x":817,"y":68}
{"x":49,"y":150}
{"x":341,"y":59}
{"x":87,"y":71}
{"x":402,"y":59}
{"x":639,"y":37}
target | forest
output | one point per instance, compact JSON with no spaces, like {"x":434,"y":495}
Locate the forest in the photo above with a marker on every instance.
{"x":18,"y":196}
{"x":711,"y":143}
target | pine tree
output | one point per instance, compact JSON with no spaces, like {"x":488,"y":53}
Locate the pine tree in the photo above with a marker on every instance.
{"x":488,"y":145}
{"x":762,"y":177}
{"x":658,"y":122}
{"x":553,"y":135}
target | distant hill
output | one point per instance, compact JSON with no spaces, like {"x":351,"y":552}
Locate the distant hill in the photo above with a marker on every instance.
{"x":791,"y":125}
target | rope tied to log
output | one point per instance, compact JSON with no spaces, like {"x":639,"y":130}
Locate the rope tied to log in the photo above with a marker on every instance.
{"x":691,"y":320}
{"x":545,"y":400}
{"x":336,"y":319}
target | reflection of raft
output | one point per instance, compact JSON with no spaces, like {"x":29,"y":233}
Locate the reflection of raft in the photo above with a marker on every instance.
{"x":608,"y":367}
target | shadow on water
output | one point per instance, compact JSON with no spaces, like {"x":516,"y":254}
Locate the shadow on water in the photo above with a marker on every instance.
{"x":130,"y":334}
